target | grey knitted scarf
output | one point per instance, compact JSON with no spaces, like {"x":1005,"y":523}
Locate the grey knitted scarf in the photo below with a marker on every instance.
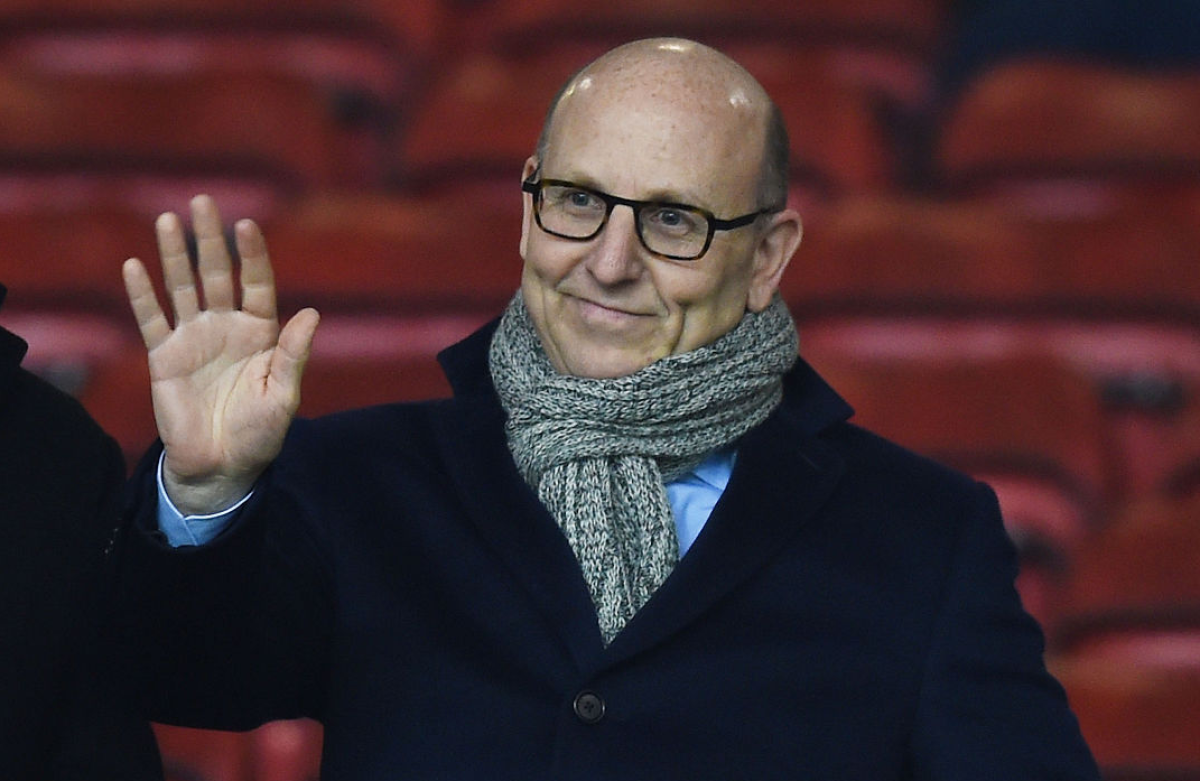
{"x":598,"y":452}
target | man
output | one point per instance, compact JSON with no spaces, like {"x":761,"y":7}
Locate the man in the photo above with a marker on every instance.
{"x":63,"y":713}
{"x":641,"y":541}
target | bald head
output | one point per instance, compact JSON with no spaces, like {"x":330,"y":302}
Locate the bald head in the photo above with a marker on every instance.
{"x":678,"y":74}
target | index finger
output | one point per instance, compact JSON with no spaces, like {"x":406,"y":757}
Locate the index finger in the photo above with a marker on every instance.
{"x":152,"y":323}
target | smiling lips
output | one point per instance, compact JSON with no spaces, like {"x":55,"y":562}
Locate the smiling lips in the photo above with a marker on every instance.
{"x":593,"y":311}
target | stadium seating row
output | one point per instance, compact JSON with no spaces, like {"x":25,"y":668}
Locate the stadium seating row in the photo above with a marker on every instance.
{"x":350,"y":110}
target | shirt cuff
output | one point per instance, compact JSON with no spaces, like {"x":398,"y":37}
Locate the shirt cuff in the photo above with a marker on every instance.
{"x":180,"y":529}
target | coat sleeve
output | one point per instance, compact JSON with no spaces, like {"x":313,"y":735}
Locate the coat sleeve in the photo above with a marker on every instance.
{"x":988,"y":708}
{"x":230,"y":634}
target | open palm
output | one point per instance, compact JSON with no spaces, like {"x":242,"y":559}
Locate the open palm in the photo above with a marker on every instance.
{"x":225,"y":381}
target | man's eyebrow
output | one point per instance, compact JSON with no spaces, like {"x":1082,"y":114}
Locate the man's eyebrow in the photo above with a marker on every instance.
{"x":673,"y":196}
{"x":583,"y":180}
{"x":661,"y":195}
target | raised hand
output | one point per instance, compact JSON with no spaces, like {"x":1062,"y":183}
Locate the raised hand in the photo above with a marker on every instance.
{"x":225,"y":380}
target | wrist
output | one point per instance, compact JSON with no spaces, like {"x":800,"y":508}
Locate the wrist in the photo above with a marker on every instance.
{"x":204,"y":495}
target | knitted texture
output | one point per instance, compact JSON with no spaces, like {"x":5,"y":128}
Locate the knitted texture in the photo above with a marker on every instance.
{"x":598,"y":452}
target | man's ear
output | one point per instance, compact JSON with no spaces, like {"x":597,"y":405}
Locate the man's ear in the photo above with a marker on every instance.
{"x":527,"y":223}
{"x":776,"y":245}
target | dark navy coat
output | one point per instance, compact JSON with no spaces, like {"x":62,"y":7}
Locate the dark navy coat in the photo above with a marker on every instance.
{"x":847,"y":613}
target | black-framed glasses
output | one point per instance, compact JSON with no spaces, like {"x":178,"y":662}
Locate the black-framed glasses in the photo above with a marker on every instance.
{"x":671,"y":230}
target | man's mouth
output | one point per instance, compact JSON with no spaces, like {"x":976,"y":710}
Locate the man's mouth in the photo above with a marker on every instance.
{"x":595,"y":310}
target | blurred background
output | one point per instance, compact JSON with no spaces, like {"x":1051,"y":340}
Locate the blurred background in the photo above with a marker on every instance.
{"x":1000,"y":265}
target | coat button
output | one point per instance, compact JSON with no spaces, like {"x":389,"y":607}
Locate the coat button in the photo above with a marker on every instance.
{"x":589,"y":707}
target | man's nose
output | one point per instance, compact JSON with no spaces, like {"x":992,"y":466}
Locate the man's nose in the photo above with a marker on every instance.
{"x":616,"y":256}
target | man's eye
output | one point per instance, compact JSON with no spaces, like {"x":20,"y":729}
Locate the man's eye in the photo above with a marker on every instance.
{"x":574,"y":201}
{"x":571,"y":199}
{"x":676,"y":221}
{"x":580,"y":199}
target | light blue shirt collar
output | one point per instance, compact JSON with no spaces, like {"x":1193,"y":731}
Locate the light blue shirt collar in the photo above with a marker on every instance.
{"x":694,"y":495}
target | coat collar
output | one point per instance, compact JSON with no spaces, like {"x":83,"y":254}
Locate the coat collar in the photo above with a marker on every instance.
{"x":784,"y":474}
{"x":12,"y":351}
{"x":466,"y":363}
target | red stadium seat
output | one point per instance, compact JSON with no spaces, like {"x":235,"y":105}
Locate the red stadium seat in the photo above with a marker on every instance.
{"x":448,"y":249}
{"x":1140,"y":375}
{"x":71,"y":257}
{"x":415,"y":24}
{"x":56,"y":190}
{"x":1137,"y":707}
{"x":877,"y":253}
{"x":358,"y":71}
{"x":481,"y":117}
{"x":1051,"y":121}
{"x":898,"y":253}
{"x":1154,"y":423}
{"x":1009,"y":415}
{"x":368,"y":360}
{"x":203,"y":755}
{"x":269,"y":122}
{"x":286,"y":751}
{"x":354,"y":58}
{"x":1140,"y":573}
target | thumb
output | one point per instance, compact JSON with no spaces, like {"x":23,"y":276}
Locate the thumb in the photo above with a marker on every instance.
{"x":293,"y":350}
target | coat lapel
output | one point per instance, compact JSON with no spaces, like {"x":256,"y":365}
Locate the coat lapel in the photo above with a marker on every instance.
{"x":504,"y":509}
{"x":784,"y":474}
{"x":517,"y":528}
{"x":782,"y":478}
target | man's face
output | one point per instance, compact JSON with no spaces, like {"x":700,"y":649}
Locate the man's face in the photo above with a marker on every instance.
{"x":608,"y":307}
